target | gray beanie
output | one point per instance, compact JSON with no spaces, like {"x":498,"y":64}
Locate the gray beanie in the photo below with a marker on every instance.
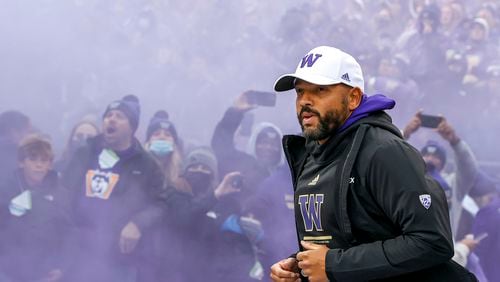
{"x":201,"y":155}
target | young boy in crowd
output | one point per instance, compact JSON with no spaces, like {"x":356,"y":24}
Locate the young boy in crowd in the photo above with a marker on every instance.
{"x":33,"y":221}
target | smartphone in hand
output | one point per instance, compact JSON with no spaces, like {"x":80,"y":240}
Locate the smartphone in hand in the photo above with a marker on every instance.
{"x":430,"y":121}
{"x":237,"y":181}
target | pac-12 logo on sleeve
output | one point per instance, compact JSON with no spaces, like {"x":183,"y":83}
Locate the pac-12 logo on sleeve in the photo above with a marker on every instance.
{"x":425,"y":200}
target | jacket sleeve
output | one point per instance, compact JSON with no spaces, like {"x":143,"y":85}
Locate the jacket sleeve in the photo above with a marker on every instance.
{"x":467,"y":169}
{"x":461,"y":181}
{"x":461,"y":254}
{"x":157,"y":192}
{"x":183,"y":209}
{"x":197,"y":206}
{"x":395,"y":177}
{"x":223,"y":138}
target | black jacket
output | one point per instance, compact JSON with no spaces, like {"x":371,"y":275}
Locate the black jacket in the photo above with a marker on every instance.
{"x":137,"y":196}
{"x":364,"y":194}
{"x":34,"y":242}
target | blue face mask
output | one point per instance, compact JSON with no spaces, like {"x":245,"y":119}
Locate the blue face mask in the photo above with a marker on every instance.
{"x":161,"y":148}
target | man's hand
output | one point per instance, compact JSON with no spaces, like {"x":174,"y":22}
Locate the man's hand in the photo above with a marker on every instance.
{"x":413,"y":125}
{"x":285,"y":270}
{"x":447,"y":132}
{"x":226,"y":187}
{"x":312,"y":261}
{"x":242,"y":103}
{"x":129,"y":237}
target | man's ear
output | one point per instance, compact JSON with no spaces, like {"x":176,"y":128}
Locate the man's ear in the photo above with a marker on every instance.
{"x":354,"y":98}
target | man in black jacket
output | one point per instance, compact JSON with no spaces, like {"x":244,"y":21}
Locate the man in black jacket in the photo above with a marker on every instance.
{"x":118,"y":193}
{"x":364,"y":208}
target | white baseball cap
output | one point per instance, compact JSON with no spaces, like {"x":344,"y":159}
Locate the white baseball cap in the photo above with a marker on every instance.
{"x":324,"y":65}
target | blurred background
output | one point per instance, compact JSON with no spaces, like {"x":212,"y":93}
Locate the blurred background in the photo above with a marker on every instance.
{"x":63,"y":60}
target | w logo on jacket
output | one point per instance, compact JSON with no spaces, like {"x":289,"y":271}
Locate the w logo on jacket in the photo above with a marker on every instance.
{"x":310,"y":208}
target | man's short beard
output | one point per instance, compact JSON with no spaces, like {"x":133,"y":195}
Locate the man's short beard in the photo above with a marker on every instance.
{"x":327,"y":125}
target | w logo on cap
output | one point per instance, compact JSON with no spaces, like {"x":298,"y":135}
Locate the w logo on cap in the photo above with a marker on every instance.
{"x":309,"y":60}
{"x":345,"y":77}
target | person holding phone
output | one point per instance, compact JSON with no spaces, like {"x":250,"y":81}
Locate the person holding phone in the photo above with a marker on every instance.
{"x":456,"y":184}
{"x":434,"y":154}
{"x":262,"y":156}
{"x":263,"y":153}
{"x":364,"y":207}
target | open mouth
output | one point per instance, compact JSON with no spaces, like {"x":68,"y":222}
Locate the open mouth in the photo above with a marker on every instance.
{"x":307,"y":117}
{"x":110,"y":130}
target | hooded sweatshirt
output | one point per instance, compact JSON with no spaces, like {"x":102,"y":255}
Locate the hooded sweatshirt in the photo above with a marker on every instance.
{"x":365,"y":195}
{"x":368,"y":105}
{"x":253,"y":141}
{"x":230,"y":159}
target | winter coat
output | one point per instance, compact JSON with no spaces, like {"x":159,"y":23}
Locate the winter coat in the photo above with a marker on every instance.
{"x":364,"y":194}
{"x":33,"y":242}
{"x":104,"y":200}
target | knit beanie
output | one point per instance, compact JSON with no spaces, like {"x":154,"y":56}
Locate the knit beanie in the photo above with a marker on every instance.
{"x":201,"y":155}
{"x":434,"y":148}
{"x":160,"y":121}
{"x":129,"y":105}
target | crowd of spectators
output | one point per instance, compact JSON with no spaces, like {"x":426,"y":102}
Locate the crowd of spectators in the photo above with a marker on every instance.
{"x":206,"y":195}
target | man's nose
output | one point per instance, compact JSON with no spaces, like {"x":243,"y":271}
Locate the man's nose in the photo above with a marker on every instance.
{"x":111,"y":118}
{"x":304,"y":99}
